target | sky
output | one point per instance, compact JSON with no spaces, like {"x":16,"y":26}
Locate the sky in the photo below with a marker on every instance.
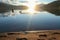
{"x":46,"y":1}
{"x":42,"y":1}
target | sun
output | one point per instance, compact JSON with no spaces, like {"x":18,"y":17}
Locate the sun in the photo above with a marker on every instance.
{"x":31,"y":4}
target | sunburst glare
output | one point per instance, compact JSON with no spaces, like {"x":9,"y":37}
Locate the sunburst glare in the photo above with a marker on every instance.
{"x":31,"y":4}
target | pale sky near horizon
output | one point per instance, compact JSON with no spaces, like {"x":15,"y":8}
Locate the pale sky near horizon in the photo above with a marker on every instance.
{"x":41,"y":1}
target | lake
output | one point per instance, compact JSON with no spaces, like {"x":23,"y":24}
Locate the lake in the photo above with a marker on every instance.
{"x":15,"y":22}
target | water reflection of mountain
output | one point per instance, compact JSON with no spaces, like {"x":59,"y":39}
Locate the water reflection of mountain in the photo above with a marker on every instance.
{"x":7,"y":14}
{"x":53,"y":7}
{"x":4,"y":15}
{"x":7,"y":7}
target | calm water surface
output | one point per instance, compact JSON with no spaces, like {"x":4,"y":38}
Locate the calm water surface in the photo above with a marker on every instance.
{"x":21,"y":22}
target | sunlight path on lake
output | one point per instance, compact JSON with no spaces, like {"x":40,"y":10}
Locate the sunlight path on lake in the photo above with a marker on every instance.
{"x":31,"y":4}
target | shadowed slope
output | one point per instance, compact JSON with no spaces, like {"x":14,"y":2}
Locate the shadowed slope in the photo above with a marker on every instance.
{"x":7,"y":7}
{"x":53,"y":7}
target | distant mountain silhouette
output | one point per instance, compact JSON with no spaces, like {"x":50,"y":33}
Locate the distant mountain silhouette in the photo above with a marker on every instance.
{"x":53,"y":7}
{"x":39,"y":7}
{"x":7,"y":7}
